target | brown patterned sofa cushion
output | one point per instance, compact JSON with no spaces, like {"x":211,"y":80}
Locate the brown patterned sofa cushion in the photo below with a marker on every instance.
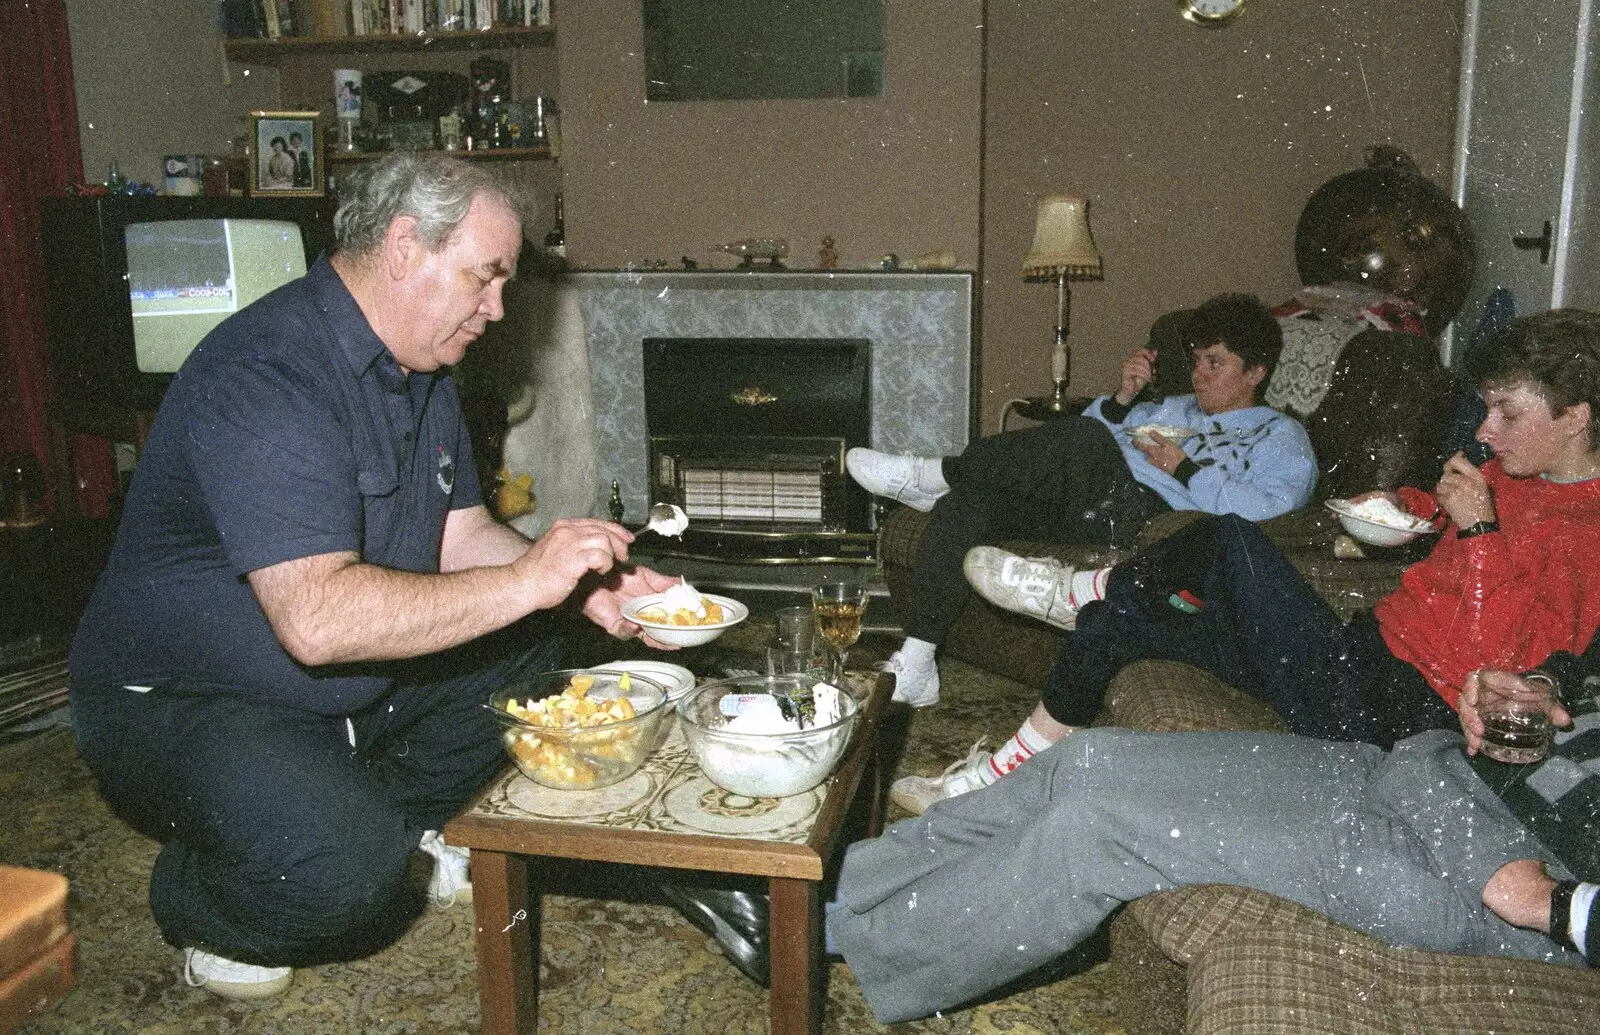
{"x":1301,"y":977}
{"x":1171,"y":697}
{"x":1219,"y":959}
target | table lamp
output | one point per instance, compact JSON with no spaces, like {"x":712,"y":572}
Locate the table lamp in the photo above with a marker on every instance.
{"x":1063,"y":251}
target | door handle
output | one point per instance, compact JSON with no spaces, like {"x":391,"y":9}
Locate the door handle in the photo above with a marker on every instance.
{"x":1542,"y":242}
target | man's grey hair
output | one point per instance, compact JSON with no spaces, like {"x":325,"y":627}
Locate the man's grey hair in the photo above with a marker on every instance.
{"x":434,"y":189}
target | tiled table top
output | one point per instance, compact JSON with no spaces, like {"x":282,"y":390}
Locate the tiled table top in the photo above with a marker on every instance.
{"x":668,"y":794}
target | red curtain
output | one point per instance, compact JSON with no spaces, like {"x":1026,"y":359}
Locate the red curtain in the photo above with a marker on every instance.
{"x":39,"y":142}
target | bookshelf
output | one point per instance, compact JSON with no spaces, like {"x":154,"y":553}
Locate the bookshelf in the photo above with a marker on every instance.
{"x":305,"y":63}
{"x":273,"y":53}
{"x":497,"y":154}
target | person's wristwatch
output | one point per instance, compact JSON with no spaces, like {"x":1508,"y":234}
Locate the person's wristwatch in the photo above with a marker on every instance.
{"x":1478,"y":528}
{"x":1561,"y":912}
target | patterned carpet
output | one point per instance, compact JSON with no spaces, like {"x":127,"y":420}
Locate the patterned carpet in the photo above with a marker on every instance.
{"x":622,"y":964}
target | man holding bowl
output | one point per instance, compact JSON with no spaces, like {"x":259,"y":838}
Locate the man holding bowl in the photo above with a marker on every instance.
{"x":282,"y":670}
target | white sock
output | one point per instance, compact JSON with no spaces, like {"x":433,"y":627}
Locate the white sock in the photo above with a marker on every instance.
{"x":1023,"y":745}
{"x":1087,"y":586}
{"x":918,"y":652}
{"x":930,"y":475}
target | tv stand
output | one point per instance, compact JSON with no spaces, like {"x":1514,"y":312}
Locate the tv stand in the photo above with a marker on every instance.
{"x":74,"y":417}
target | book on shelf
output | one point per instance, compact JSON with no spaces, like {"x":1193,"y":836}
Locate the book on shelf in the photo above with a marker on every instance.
{"x":524,"y":12}
{"x":325,"y":17}
{"x":241,"y":18}
{"x":452,"y":15}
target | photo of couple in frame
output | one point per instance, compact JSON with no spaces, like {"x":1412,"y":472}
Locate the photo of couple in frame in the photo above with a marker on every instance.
{"x":287,"y":158}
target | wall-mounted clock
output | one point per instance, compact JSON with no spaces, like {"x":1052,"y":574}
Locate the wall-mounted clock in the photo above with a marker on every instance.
{"x":1210,"y":12}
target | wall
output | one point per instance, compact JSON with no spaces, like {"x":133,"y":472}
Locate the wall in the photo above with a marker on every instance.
{"x":665,"y":180}
{"x":1196,"y":147}
{"x":151,"y":81}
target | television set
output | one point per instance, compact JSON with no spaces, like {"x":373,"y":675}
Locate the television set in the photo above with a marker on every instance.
{"x":134,"y":282}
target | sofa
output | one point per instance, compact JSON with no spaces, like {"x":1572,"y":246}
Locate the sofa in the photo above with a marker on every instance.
{"x":1384,"y":420}
{"x":1214,"y":959}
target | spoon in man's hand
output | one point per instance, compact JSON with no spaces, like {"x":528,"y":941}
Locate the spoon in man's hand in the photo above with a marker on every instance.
{"x":667,"y":519}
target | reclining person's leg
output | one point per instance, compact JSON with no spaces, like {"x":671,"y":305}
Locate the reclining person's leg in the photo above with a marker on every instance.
{"x":990,"y":885}
{"x":1220,"y":596}
{"x":1065,"y":481}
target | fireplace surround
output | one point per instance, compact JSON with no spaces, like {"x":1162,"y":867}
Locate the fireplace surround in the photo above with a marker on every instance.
{"x":916,"y":329}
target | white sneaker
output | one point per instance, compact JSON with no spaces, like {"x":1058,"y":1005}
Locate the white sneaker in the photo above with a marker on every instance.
{"x":893,"y":475}
{"x":452,"y":878}
{"x":917,"y":684}
{"x":231,"y":979}
{"x":916,"y":793}
{"x":1039,"y":587}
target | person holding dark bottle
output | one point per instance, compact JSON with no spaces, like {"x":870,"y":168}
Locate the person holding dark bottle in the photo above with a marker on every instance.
{"x":1510,"y":582}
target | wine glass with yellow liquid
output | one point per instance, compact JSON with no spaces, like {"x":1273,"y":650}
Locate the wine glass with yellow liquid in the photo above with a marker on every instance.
{"x":839,"y":605}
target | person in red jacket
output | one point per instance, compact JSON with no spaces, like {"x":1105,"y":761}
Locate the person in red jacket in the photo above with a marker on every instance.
{"x":1511,"y":580}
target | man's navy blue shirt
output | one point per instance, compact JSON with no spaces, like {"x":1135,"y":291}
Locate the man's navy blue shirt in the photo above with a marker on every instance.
{"x":290,"y":432}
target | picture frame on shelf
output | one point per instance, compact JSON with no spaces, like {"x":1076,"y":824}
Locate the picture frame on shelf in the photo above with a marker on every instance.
{"x":287,"y":160}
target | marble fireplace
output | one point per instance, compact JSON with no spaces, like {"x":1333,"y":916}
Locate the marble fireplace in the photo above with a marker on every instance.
{"x":916,"y":328}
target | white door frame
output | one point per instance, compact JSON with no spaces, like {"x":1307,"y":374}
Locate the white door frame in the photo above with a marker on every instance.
{"x":1572,"y":167}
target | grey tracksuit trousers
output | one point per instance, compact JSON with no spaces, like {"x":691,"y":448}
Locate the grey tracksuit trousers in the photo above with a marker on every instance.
{"x":987,"y":886}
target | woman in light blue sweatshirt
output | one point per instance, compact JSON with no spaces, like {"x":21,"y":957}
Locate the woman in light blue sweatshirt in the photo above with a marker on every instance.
{"x":1097,"y":478}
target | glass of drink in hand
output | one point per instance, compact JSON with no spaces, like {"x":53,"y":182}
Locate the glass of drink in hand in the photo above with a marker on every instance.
{"x":839,"y":606}
{"x":1516,"y":716}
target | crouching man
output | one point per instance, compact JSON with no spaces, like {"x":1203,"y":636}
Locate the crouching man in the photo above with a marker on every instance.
{"x":280,"y":674}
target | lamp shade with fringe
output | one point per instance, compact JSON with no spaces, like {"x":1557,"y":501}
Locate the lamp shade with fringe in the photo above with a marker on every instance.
{"x":1062,"y":243}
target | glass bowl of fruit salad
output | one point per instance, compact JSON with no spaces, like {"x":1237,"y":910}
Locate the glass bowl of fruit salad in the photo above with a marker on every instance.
{"x":578,"y":729}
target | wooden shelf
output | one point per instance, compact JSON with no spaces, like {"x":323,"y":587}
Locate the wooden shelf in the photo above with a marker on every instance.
{"x":273,"y":52}
{"x":496,"y":154}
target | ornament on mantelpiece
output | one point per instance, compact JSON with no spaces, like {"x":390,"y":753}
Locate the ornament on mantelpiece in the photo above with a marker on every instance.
{"x":827,"y":255}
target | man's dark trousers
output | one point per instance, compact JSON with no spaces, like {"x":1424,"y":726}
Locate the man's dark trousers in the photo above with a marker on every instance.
{"x":285,"y":844}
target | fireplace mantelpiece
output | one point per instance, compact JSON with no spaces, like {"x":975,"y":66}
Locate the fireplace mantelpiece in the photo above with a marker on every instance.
{"x":920,"y":326}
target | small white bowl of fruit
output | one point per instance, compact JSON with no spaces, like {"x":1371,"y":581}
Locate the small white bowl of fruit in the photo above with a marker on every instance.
{"x":1378,"y":521}
{"x":683,"y":616}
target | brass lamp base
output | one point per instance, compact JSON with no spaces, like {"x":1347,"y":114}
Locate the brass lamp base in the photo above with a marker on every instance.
{"x":1049,"y":407}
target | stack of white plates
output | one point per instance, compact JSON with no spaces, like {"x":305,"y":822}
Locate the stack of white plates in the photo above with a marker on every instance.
{"x":677,"y":679}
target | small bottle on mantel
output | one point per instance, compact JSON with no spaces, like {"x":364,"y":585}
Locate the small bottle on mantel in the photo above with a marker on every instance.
{"x":555,"y":242}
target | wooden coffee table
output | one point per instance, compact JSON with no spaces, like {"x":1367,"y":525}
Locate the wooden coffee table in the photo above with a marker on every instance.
{"x":668,"y":814}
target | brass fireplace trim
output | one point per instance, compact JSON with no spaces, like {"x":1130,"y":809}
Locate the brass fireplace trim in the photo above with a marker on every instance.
{"x":751,"y":396}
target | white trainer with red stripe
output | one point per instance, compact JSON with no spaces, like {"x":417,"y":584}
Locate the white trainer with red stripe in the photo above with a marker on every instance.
{"x":916,"y":793}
